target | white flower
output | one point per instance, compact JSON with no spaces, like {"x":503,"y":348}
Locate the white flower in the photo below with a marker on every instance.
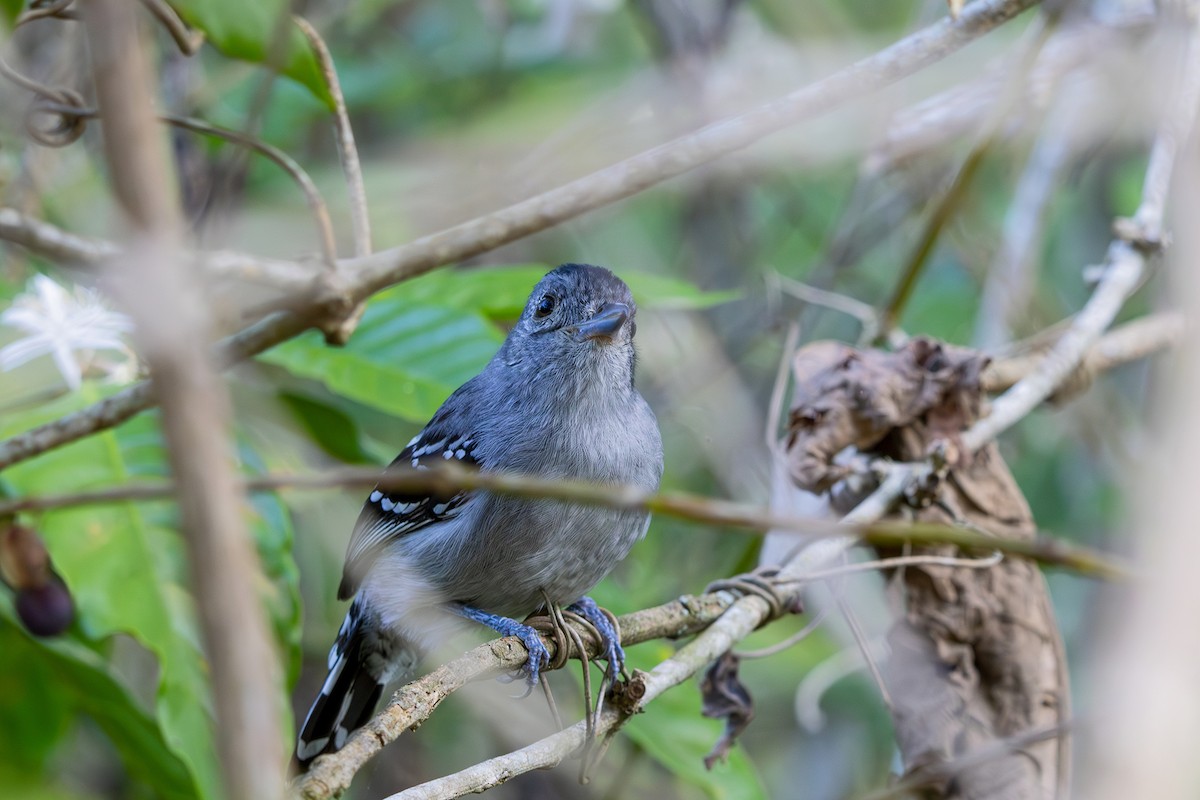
{"x":69,"y":327}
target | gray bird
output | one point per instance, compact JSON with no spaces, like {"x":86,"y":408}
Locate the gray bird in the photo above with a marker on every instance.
{"x":556,"y":401}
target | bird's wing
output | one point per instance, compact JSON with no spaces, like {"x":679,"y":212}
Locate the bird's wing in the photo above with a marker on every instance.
{"x":386,"y":516}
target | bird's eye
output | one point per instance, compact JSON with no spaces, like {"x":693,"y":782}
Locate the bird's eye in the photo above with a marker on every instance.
{"x":546,"y":305}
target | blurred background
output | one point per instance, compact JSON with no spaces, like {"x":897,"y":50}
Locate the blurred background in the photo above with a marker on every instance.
{"x":461,"y":107}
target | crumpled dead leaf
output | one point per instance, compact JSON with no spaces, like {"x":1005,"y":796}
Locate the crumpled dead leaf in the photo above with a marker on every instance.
{"x":725,"y":697}
{"x":975,"y":653}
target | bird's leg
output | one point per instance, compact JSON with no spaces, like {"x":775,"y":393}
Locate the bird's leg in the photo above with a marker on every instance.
{"x":613,"y":652}
{"x":539,"y":656}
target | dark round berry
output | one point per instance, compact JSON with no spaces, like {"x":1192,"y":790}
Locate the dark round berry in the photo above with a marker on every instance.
{"x":46,"y":610}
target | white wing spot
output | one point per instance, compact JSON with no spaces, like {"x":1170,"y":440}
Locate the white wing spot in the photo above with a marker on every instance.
{"x":387,"y":504}
{"x":429,"y":448}
{"x":439,"y":509}
{"x":448,"y":454}
{"x":460,"y":454}
{"x":413,"y":440}
{"x":376,"y":495}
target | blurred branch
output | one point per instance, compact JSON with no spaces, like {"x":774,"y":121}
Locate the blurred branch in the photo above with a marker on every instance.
{"x":932,"y":124}
{"x":69,"y":249}
{"x":171,"y":327}
{"x":1122,"y":271}
{"x":953,"y":197}
{"x":360,"y":278}
{"x":1130,"y":342}
{"x":1008,"y":288}
{"x":448,"y":478}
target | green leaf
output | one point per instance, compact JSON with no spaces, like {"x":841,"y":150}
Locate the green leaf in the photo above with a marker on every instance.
{"x":330,"y":427}
{"x":246,"y":31}
{"x":674,"y":734}
{"x":125,"y":573}
{"x":405,"y":358}
{"x":35,"y":714}
{"x":60,"y":675}
{"x":501,"y":292}
{"x":11,"y":9}
{"x":421,"y":340}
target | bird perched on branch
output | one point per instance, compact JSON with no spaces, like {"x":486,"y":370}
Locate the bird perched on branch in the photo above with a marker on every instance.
{"x":556,"y":401}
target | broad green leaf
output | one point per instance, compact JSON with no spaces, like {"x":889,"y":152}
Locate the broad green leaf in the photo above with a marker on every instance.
{"x":674,"y":734}
{"x":331,"y":428}
{"x":125,"y":576}
{"x":404,"y":359}
{"x":421,"y":340}
{"x":35,"y":714}
{"x":501,"y":292}
{"x":126,"y":568}
{"x":11,"y":9}
{"x":59,"y":675}
{"x":246,"y":30}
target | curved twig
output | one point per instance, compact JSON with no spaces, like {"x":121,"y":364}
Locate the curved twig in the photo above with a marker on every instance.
{"x":188,"y":41}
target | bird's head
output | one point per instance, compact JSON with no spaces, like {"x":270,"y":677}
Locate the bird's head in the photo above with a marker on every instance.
{"x":580,"y":318}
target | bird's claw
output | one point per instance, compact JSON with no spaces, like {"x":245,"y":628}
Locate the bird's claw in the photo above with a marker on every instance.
{"x":539,"y":656}
{"x":614,"y":654}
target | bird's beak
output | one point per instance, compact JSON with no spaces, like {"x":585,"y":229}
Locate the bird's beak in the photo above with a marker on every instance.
{"x":605,"y":323}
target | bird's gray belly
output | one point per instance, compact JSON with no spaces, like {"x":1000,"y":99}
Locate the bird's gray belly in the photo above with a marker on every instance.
{"x":520,"y":548}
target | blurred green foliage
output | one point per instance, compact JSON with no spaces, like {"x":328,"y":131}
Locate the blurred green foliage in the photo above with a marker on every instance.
{"x":126,"y":689}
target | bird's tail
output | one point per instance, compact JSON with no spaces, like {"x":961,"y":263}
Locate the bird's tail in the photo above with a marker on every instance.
{"x":358,"y":671}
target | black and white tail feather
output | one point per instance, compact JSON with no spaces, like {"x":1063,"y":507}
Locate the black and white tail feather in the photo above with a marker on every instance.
{"x":347,"y":698}
{"x":364,"y":659}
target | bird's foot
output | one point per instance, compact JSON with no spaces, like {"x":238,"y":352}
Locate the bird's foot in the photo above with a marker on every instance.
{"x":539,"y":656}
{"x":613,"y":652}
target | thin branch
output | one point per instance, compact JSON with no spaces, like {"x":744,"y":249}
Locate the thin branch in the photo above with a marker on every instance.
{"x":187,"y":40}
{"x":1010,"y":278}
{"x":932,"y":125}
{"x":54,"y":243}
{"x":449,"y":477}
{"x":345,"y":135}
{"x":1130,"y":342}
{"x":316,"y":203}
{"x":624,"y":179}
{"x":866,"y":314}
